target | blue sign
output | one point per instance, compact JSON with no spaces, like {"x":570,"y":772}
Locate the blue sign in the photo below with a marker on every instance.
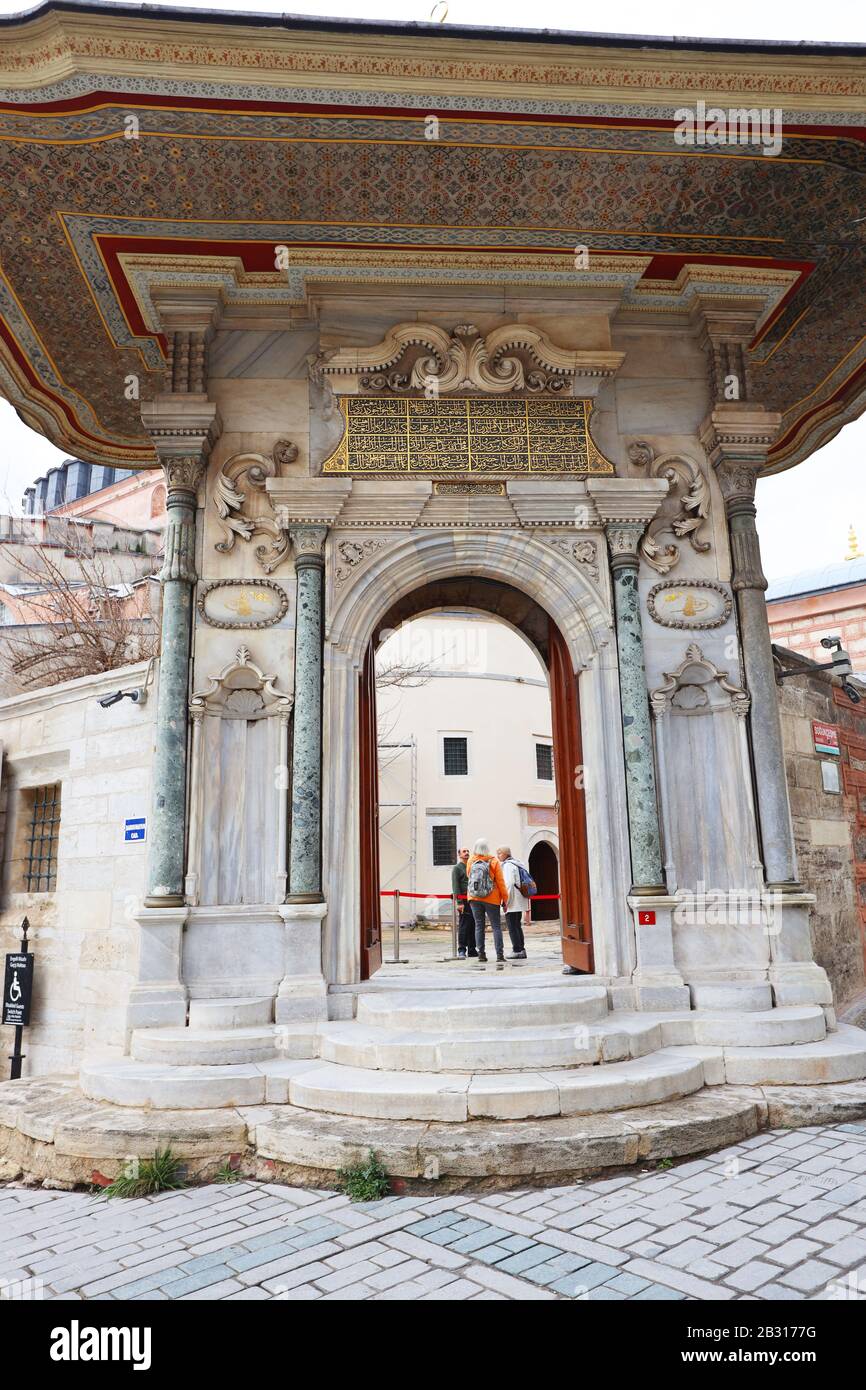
{"x":135,"y":829}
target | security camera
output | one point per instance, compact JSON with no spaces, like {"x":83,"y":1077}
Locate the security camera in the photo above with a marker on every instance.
{"x":853,"y":694}
{"x":137,"y":696}
{"x":841,"y":663}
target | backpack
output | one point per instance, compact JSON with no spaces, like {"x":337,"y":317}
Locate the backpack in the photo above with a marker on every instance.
{"x":480,"y":879}
{"x":527,"y":884}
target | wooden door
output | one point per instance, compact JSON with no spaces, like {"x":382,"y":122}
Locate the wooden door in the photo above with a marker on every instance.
{"x":545,"y":870}
{"x":575,"y":921}
{"x":371,"y":920}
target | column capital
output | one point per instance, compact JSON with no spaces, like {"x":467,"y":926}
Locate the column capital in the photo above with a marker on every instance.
{"x":623,"y":540}
{"x":309,"y":544}
{"x":184,"y":429}
{"x":183,"y":475}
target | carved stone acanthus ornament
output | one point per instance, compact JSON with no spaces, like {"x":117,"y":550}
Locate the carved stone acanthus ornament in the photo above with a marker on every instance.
{"x":687,"y":688}
{"x":423,"y":357}
{"x":229,"y":500}
{"x":582,"y":552}
{"x":183,"y":474}
{"x":691,"y":491}
{"x":350,"y":554}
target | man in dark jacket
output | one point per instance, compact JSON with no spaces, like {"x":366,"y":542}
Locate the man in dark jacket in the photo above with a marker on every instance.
{"x":465,"y":920}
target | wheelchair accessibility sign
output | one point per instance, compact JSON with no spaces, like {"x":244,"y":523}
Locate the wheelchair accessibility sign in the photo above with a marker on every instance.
{"x":17,"y":989}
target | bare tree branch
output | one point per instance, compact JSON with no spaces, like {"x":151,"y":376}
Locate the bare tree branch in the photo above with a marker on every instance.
{"x":78,"y":623}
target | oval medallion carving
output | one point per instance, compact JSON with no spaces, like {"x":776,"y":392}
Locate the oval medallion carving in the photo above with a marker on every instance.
{"x":242,"y":603}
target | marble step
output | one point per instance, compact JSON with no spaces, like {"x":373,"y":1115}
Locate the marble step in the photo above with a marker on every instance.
{"x":487,"y":1050}
{"x":456,"y":1097}
{"x":207,"y":1047}
{"x":618,"y":1038}
{"x":840,"y":1057}
{"x":206,"y":1014}
{"x":156,"y":1086}
{"x":798,"y":1023}
{"x":463,"y":1009}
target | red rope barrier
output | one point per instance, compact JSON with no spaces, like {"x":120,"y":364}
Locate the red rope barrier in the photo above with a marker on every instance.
{"x":392,"y":893}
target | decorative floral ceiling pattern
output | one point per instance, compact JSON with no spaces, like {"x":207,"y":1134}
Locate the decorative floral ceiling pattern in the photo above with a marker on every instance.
{"x":217,"y":171}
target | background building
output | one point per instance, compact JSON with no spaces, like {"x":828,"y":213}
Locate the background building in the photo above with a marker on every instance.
{"x":122,"y":495}
{"x":465,"y":751}
{"x":825,"y":602}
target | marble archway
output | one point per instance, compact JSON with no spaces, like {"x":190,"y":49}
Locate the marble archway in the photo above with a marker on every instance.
{"x":525,"y":572}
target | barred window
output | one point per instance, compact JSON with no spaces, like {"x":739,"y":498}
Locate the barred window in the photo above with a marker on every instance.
{"x":444,"y":845}
{"x":40,"y":869}
{"x":544,"y":762}
{"x":455,"y":756}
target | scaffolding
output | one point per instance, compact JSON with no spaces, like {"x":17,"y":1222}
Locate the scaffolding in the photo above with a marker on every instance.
{"x":398,"y":818}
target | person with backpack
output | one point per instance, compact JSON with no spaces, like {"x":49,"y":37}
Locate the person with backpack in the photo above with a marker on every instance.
{"x":521,"y":886}
{"x":465,"y":920}
{"x":487,"y":894}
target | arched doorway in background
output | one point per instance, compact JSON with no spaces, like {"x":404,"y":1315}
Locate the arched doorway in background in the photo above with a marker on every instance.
{"x":544,"y":868}
{"x":525,"y":615}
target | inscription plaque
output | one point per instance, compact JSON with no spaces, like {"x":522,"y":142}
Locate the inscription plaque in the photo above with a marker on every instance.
{"x":466,"y":435}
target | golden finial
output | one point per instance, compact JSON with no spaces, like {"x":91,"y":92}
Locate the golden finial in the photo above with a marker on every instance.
{"x":854,"y":551}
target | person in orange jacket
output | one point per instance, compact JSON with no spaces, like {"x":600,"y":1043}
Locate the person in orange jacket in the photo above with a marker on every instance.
{"x":487,"y":894}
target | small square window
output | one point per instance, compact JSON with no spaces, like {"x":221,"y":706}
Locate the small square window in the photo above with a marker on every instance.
{"x":455,"y":757}
{"x":444,"y":845}
{"x":40,"y":855}
{"x":544,"y":762}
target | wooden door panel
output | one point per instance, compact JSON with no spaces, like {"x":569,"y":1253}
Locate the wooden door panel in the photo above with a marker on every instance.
{"x":575,"y":917}
{"x":371,"y":920}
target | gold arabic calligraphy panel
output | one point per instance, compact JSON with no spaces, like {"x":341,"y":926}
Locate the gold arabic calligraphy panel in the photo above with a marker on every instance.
{"x":468,"y":435}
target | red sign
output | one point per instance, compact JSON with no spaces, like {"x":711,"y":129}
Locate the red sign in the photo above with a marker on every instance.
{"x":646,"y":919}
{"x":825,"y":737}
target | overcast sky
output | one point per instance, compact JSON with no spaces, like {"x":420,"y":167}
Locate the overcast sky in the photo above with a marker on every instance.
{"x":804,"y":513}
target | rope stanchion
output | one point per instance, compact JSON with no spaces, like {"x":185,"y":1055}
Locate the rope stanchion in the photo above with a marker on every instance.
{"x":396,"y":895}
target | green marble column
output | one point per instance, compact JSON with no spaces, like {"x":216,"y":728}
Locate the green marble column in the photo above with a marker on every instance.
{"x":640,"y":781}
{"x":165,"y":868}
{"x":305,"y":848}
{"x":737,"y":480}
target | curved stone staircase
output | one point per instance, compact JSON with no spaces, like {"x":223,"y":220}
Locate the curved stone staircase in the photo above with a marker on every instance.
{"x":459,"y":1075}
{"x":497,"y":1050}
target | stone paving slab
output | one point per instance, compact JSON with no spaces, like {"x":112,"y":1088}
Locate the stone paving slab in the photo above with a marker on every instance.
{"x":720,"y":1228}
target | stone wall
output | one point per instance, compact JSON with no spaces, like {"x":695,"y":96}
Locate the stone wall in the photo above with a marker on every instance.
{"x":83,"y":934}
{"x":822,"y":828}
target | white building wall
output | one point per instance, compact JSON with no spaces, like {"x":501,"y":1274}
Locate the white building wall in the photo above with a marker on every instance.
{"x":83,"y":935}
{"x":479,"y":680}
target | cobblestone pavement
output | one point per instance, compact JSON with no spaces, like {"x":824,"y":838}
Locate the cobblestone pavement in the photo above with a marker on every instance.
{"x":781,"y":1216}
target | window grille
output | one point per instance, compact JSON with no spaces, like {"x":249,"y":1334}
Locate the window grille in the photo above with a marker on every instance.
{"x":444,"y":845}
{"x":455,"y":757}
{"x":544,"y":762}
{"x":41,"y":856}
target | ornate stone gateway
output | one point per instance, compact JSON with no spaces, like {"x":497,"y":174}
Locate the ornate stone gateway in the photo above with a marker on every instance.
{"x":466,"y":371}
